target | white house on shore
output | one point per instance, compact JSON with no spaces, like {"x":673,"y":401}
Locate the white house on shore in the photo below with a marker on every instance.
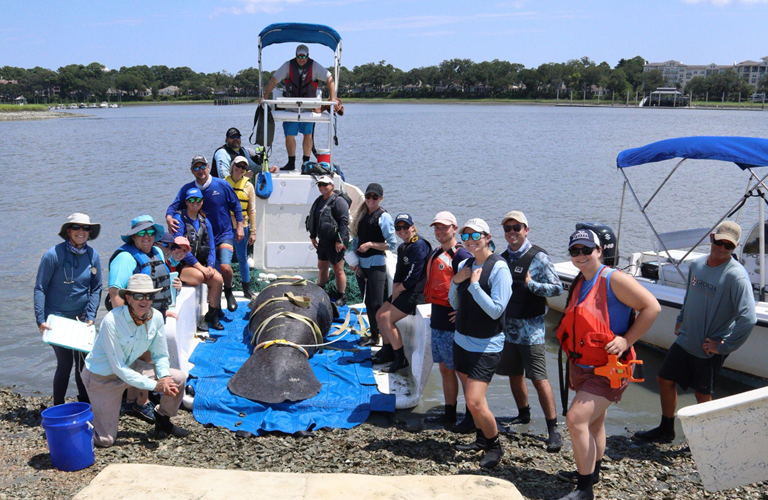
{"x":676,"y":72}
{"x":170,"y":90}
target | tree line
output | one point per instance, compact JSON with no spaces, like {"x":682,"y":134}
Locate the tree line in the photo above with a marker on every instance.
{"x":454,"y":78}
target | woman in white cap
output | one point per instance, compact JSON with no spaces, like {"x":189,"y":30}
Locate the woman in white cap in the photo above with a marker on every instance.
{"x":597,"y":293}
{"x":69,"y":285}
{"x":479,"y":293}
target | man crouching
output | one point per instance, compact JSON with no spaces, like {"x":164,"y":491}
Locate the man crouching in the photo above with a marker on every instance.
{"x":126,"y":333}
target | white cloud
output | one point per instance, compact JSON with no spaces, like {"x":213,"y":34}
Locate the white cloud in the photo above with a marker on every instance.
{"x":256,"y":6}
{"x":723,"y":3}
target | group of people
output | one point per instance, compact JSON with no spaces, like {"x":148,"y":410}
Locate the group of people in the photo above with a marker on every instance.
{"x":487,"y":317}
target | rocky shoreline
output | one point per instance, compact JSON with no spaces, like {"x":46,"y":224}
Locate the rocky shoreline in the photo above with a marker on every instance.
{"x":13,"y":116}
{"x":385,"y":445}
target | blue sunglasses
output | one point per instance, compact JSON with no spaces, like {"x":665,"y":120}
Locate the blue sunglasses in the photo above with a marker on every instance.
{"x":475,"y":236}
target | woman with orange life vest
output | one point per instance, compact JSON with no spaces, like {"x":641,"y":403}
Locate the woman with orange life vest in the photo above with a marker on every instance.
{"x":247,"y":196}
{"x":599,"y":320}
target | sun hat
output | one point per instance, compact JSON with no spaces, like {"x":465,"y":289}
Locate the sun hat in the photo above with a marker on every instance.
{"x":477,"y":224}
{"x":446,"y":218}
{"x":728,"y":230}
{"x":138,"y":283}
{"x":198,"y":159}
{"x":233,"y":132}
{"x":404,"y":218}
{"x":516,"y":215}
{"x":302,"y":50}
{"x":193,"y":192}
{"x":325,"y":178}
{"x":139,"y":224}
{"x":82,"y":219}
{"x":183,"y":242}
{"x":585,"y":237}
{"x":375,"y":189}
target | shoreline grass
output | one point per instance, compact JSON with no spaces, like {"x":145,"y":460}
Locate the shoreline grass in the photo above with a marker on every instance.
{"x":15,"y":108}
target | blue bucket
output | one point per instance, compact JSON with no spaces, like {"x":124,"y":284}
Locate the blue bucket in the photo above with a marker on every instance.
{"x":69,"y":432}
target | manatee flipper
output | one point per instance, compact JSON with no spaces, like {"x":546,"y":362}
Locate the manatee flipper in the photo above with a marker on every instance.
{"x":274,"y":375}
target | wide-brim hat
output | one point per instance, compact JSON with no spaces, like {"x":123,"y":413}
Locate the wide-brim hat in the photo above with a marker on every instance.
{"x":138,"y":283}
{"x":139,"y":224}
{"x":83,"y":220}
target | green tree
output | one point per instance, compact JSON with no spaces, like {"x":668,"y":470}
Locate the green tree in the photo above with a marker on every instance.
{"x":633,"y":70}
{"x":762,"y":85}
{"x":651,"y":80}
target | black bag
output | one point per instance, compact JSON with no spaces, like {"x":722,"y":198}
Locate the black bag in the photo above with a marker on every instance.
{"x":314,"y":168}
{"x":258,"y":127}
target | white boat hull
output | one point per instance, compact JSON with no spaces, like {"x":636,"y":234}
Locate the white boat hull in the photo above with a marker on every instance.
{"x":748,"y":359}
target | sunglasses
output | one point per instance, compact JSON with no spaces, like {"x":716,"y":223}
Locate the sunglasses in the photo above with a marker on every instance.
{"x":194,"y":200}
{"x":234,"y":136}
{"x":301,"y":57}
{"x":574,"y":252}
{"x":143,"y":296}
{"x":172,"y":246}
{"x":145,"y":232}
{"x":475,"y":236}
{"x":371,"y":196}
{"x":513,"y":227}
{"x":721,"y":243}
{"x":78,"y":227}
{"x":323,"y":184}
{"x":199,"y":167}
{"x":402,"y":227}
{"x":244,"y":166}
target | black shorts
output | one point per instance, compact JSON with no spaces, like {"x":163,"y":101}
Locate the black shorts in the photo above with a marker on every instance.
{"x":406,"y":301}
{"x":329,"y":253}
{"x":688,"y":370}
{"x":476,"y":365}
{"x":517,"y":359}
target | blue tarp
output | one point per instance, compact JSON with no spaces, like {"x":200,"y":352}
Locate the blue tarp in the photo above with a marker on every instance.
{"x":299,"y":32}
{"x":347,"y":397}
{"x":745,"y":152}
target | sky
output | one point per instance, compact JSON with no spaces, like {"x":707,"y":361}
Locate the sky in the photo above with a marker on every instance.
{"x":216,"y":35}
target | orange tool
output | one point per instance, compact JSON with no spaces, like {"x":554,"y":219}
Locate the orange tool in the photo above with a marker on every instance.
{"x":616,"y":371}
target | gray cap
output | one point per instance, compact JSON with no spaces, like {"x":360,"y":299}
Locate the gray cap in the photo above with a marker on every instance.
{"x":198,"y":159}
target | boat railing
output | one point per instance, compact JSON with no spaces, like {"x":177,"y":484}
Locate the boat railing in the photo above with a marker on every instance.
{"x":687,"y":238}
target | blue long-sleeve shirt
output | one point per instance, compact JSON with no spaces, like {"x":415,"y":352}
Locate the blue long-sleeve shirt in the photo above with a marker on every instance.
{"x":411,"y":258}
{"x":219,"y":199}
{"x":223,"y":161}
{"x":494,"y":305}
{"x":545,"y":283}
{"x":190,"y":257}
{"x":387,"y":226}
{"x":719,"y":304}
{"x":68,"y":285}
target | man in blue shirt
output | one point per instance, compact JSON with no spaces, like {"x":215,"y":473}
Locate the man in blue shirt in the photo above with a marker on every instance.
{"x":126,"y":333}
{"x":219,"y":199}
{"x":717,"y":316}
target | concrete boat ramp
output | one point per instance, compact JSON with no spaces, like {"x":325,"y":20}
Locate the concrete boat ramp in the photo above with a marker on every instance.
{"x":129,"y":482}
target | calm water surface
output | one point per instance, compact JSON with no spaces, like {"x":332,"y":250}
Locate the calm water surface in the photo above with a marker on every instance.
{"x":555,"y":164}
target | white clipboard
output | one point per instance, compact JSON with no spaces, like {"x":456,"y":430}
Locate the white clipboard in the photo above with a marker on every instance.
{"x":69,"y":333}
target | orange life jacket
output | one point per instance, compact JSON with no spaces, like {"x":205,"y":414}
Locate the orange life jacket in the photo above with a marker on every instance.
{"x":439,"y":276}
{"x":585,"y":329}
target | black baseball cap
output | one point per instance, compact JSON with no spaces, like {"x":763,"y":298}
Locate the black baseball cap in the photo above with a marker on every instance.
{"x":375,"y":189}
{"x":233,"y":132}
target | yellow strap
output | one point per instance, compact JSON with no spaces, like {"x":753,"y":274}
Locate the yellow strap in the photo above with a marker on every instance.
{"x":363,"y":331}
{"x":270,"y":343}
{"x":297,"y":300}
{"x":296,"y":282}
{"x":286,"y":314}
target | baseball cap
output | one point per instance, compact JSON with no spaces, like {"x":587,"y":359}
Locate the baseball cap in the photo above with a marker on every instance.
{"x":585,"y":237}
{"x":325,"y":178}
{"x":183,"y":242}
{"x":729,"y":231}
{"x":302,"y":50}
{"x":446,"y":218}
{"x":240,"y":159}
{"x":375,"y":189}
{"x":233,"y":132}
{"x":404,"y":218}
{"x":477,"y":225}
{"x":198,"y":159}
{"x":193,"y":193}
{"x":517,"y":215}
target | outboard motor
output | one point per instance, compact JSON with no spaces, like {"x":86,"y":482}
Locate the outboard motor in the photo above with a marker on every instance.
{"x":607,"y":239}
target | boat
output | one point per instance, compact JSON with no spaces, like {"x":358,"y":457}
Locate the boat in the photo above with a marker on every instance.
{"x":663,"y":268}
{"x":282,"y":245}
{"x":103,"y":104}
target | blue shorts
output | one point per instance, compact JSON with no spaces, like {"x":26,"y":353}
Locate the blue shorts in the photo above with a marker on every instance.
{"x":224,"y":252}
{"x":293,"y":128}
{"x":442,"y":347}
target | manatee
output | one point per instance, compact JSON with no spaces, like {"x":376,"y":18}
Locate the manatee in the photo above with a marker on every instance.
{"x":280,"y":372}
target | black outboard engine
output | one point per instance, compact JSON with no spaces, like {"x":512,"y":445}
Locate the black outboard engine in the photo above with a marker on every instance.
{"x":607,"y":240}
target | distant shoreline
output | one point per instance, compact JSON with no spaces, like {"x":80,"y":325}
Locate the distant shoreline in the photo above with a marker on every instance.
{"x":18,"y":116}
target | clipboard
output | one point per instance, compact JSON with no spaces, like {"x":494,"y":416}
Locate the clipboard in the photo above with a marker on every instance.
{"x":69,"y":333}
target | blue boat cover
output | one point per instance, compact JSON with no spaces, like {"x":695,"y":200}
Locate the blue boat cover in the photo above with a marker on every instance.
{"x":347,"y":396}
{"x":299,"y":32}
{"x":746,"y":152}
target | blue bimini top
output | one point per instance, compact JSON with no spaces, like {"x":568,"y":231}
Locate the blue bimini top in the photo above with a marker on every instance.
{"x":300,"y":32}
{"x":746,"y":152}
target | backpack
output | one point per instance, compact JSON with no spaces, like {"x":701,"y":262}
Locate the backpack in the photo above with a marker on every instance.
{"x":314,"y":168}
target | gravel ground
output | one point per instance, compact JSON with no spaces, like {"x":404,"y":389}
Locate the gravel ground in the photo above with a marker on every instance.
{"x":386,"y":444}
{"x":36,"y":115}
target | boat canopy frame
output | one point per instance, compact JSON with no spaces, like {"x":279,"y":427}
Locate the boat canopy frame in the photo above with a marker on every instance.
{"x":746,"y":152}
{"x":303,"y":33}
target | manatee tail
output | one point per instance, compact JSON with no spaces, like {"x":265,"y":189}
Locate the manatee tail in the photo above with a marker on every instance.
{"x":275,"y":375}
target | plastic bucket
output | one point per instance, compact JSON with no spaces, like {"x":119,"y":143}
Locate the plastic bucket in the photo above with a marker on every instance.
{"x":69,"y":432}
{"x":323,"y":155}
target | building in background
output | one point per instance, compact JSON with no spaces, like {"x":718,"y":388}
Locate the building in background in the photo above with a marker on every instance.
{"x":675,"y":72}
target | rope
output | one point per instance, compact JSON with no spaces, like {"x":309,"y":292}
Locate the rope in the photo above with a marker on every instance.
{"x":297,"y":300}
{"x":270,"y":343}
{"x":286,"y":314}
{"x":747,"y":196}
